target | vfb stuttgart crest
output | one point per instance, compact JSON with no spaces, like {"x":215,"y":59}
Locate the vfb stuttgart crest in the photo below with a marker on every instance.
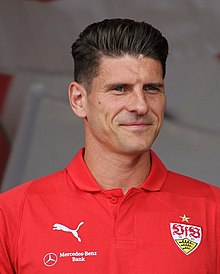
{"x":187,"y":237}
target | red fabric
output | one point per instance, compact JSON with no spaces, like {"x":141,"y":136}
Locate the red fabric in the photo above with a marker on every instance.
{"x":5,"y":81}
{"x":77,"y":227}
{"x":4,"y":152}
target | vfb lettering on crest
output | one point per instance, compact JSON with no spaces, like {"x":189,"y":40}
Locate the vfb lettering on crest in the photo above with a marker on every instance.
{"x":187,"y":237}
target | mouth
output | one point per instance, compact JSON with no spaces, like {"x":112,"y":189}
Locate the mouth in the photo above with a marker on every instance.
{"x":136,"y":126}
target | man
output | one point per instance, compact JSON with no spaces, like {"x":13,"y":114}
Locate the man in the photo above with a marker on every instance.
{"x":115,"y":208}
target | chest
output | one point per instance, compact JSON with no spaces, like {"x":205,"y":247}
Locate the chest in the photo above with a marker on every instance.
{"x":143,"y":233}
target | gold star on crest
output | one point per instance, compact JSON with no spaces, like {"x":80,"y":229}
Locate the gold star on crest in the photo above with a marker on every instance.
{"x":184,"y":218}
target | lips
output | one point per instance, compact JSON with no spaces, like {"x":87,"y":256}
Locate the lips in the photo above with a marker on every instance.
{"x":136,"y":123}
{"x":136,"y":126}
{"x":131,"y":122}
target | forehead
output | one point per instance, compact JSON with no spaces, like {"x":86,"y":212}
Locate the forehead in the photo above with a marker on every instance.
{"x":129,"y":67}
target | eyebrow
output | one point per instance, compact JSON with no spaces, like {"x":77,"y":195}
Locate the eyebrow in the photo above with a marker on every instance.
{"x":158,"y":85}
{"x":112,"y":85}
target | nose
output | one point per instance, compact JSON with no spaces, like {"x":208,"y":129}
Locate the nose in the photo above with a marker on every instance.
{"x":138,"y":103}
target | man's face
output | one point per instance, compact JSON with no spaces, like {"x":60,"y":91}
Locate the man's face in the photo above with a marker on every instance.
{"x":125,"y":109}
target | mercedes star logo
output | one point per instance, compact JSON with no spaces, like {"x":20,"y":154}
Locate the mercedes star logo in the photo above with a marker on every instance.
{"x":50,"y":259}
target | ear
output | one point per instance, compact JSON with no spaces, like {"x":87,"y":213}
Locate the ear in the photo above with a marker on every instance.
{"x":77,"y":98}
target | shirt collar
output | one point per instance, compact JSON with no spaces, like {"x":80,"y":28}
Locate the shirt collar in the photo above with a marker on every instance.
{"x":157,"y":175}
{"x":81,"y":175}
{"x":84,"y":180}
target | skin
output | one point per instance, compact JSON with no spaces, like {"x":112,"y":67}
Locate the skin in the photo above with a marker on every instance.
{"x":122,"y":117}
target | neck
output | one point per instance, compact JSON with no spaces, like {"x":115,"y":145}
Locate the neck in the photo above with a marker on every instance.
{"x":112,"y":170}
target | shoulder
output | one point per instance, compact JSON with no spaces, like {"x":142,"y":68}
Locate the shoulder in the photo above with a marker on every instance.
{"x":12,"y":211}
{"x":48,"y":184}
{"x":191,"y":187}
{"x":13,"y":202}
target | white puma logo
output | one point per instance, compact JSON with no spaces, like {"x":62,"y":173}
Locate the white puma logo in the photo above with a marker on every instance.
{"x":66,"y":229}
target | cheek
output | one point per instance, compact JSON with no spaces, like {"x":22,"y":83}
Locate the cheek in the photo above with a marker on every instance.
{"x":105,"y":112}
{"x":159,"y":108}
{"x":98,"y":116}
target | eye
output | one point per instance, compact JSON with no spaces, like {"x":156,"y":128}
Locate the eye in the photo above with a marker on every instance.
{"x":119,"y":88}
{"x":152,"y":88}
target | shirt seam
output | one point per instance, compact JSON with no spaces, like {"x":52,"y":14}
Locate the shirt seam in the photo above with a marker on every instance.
{"x":21,"y":211}
{"x":216,"y":228}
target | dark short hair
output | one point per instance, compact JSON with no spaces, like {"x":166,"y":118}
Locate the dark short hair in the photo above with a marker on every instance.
{"x":115,"y":38}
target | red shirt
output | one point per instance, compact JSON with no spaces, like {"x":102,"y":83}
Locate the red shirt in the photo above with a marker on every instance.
{"x":65,"y":223}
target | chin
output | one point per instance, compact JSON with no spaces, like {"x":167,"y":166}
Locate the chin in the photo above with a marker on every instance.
{"x":135,"y":149}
